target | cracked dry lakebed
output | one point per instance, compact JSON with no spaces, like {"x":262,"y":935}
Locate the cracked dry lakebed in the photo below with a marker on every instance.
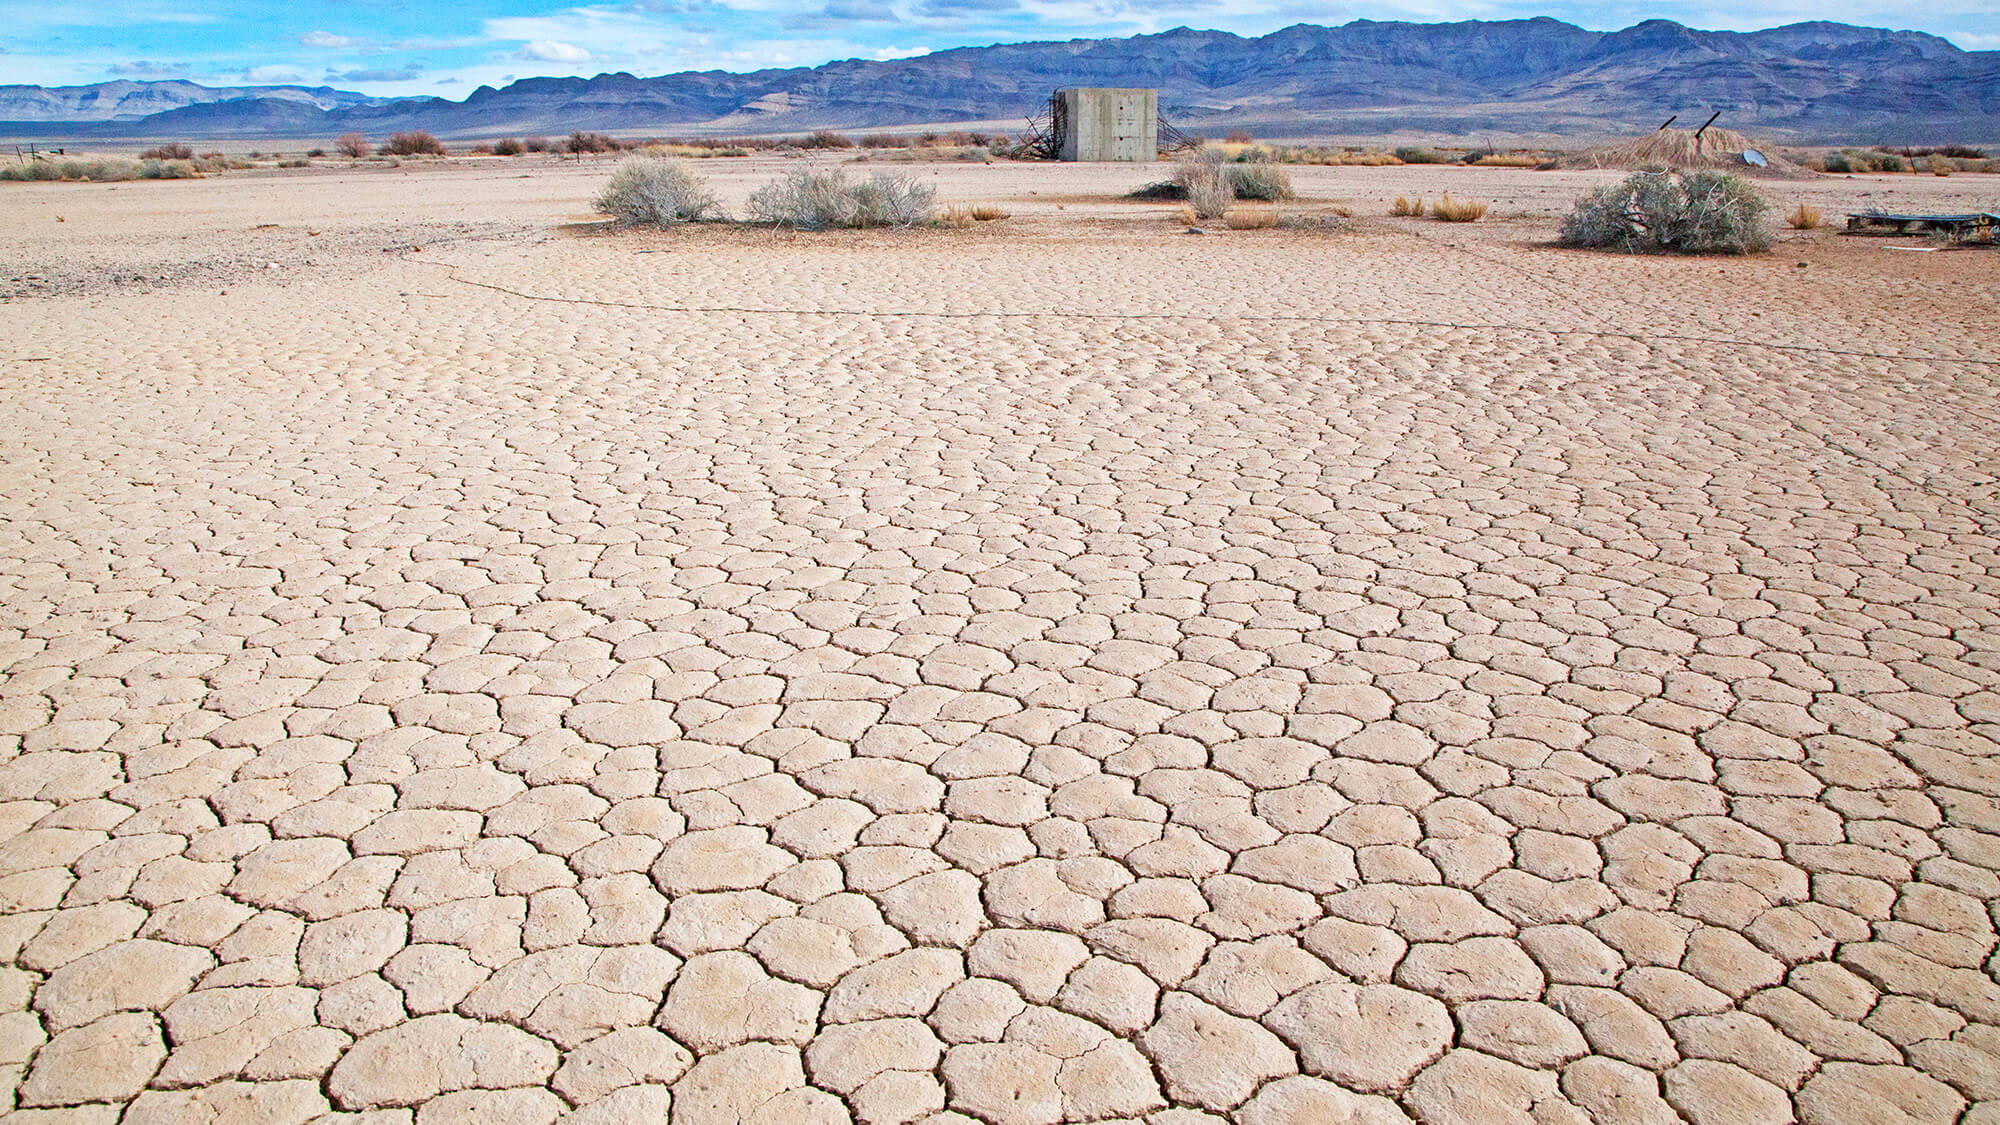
{"x":457,"y":666}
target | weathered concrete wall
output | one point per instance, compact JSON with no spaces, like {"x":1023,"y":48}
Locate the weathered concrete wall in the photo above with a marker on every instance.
{"x":1109,"y":124}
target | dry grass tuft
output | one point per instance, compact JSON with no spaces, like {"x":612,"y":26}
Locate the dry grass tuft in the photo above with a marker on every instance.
{"x":1187,"y":215}
{"x":957,"y":216}
{"x":1451,"y":210}
{"x":987,"y":212}
{"x":1805,"y":218}
{"x":1403,"y":208}
{"x":1251,"y":218}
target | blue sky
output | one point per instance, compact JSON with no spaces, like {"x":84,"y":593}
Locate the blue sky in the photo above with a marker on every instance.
{"x":447,"y":48}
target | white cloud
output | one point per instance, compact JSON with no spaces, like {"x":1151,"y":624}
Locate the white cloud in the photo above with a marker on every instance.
{"x":888,"y":53}
{"x":551,"y":50}
{"x":269,"y":75}
{"x":329,"y":40}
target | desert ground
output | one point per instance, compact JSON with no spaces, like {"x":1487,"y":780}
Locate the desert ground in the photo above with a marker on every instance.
{"x":458,"y":664}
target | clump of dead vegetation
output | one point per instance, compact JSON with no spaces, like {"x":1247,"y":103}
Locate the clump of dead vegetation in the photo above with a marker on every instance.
{"x":656,"y":191}
{"x":1405,"y":208}
{"x":1449,"y":210}
{"x":823,"y":199}
{"x":1804,"y":218}
{"x":1693,"y":212}
{"x":1250,"y":218}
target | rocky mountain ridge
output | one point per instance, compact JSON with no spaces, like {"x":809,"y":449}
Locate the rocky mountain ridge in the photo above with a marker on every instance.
{"x":1805,"y":81}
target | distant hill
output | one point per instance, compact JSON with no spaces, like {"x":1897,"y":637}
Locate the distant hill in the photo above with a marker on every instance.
{"x":1806,"y":81}
{"x":132,"y":101}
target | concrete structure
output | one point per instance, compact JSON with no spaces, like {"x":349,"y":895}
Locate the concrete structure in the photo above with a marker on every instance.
{"x":1108,"y":124}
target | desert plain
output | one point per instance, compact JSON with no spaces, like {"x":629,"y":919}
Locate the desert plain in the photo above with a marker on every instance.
{"x":458,"y":664}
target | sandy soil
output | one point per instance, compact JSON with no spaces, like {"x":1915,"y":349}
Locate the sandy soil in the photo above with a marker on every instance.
{"x":480,"y":668}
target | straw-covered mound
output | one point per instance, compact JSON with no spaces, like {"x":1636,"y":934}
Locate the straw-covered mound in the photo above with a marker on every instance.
{"x":1681,"y":150}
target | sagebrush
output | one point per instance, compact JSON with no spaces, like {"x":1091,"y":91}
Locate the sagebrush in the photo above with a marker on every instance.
{"x":657,"y":191}
{"x":1697,"y":212}
{"x":1204,"y":183}
{"x":1267,"y":182}
{"x":809,"y":198}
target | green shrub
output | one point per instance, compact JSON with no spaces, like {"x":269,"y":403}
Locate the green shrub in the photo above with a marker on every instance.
{"x":172,"y":151}
{"x":1698,"y":212}
{"x":809,"y":199}
{"x":655,"y":191}
{"x":167,"y":170}
{"x":507,"y":146}
{"x":1412,"y":154}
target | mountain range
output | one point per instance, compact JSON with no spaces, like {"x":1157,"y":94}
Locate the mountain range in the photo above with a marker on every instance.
{"x":1817,"y":81}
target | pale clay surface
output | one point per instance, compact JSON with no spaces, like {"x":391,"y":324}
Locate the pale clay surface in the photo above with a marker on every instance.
{"x":1206,"y":692}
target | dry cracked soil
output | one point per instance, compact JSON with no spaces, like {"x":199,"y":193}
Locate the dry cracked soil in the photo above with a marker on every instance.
{"x":1066,"y":670}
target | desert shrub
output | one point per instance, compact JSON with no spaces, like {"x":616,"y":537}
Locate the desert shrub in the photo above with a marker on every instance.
{"x":655,"y":191}
{"x":957,"y":216}
{"x":536,"y":144}
{"x":1805,"y":218}
{"x":1697,"y":212}
{"x":351,"y":144}
{"x":825,"y":138}
{"x":1508,"y":160}
{"x":171,"y":151}
{"x":987,"y":212}
{"x":167,"y":170}
{"x":1404,"y":208}
{"x":584,"y":141}
{"x":413,"y":143}
{"x":1237,"y":137}
{"x":1204,"y":183}
{"x":1413,"y":154}
{"x":885,"y":140}
{"x":1888,"y":162}
{"x":1250,"y":218}
{"x":811,"y":199}
{"x":1451,"y":210}
{"x":315,"y":153}
{"x":1260,"y":181}
{"x":296,"y":162}
{"x":507,"y":146}
{"x":73,"y":168}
